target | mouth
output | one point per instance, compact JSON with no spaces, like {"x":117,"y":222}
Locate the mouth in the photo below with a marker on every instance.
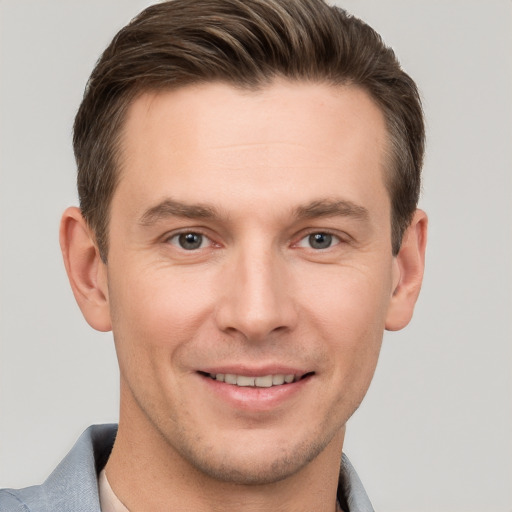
{"x":264,"y":390}
{"x":257,"y":381}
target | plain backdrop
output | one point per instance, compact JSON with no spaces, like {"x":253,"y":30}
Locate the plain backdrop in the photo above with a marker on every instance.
{"x":435,"y":431}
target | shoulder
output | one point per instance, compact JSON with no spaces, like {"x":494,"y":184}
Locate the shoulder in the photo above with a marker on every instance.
{"x":14,"y":500}
{"x":73,"y":484}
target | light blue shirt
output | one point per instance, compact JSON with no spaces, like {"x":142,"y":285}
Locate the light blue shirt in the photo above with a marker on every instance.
{"x":73,"y":485}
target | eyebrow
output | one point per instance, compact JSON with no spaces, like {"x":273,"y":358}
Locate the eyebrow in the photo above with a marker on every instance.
{"x":331,"y":208}
{"x":315,"y":209}
{"x":171,"y":208}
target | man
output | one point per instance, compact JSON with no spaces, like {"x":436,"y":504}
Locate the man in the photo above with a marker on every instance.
{"x":248,"y":174}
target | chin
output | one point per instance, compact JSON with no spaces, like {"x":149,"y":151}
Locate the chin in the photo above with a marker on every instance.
{"x":253,"y":462}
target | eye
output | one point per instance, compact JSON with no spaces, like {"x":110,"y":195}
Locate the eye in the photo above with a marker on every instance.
{"x":189,"y":241}
{"x":319,"y":241}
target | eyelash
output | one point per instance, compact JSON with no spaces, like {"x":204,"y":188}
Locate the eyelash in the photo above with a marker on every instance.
{"x":333,"y":238}
{"x":322,"y":235}
{"x":176,"y":238}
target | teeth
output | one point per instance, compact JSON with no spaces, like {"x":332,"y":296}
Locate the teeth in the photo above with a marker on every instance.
{"x":229,"y":378}
{"x":277,"y":380}
{"x":244,"y":381}
{"x":265,"y":381}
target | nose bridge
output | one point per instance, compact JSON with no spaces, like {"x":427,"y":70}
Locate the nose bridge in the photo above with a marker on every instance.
{"x":257,"y":300}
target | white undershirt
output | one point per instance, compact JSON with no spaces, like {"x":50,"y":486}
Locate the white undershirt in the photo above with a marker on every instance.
{"x":109,"y":502}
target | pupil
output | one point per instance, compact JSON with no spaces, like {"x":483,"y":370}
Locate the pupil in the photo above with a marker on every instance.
{"x":190,"y":240}
{"x":320,"y":240}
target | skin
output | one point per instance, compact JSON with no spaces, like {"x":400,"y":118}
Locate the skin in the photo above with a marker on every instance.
{"x":255,"y":174}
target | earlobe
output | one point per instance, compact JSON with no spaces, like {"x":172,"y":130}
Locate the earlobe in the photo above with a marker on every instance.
{"x":86,"y":272}
{"x":409,"y":265}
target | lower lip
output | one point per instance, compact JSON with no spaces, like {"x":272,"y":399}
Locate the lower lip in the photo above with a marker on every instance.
{"x":256,"y":399}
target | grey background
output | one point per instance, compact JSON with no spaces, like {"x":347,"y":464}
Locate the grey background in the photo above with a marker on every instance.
{"x":435,"y":431}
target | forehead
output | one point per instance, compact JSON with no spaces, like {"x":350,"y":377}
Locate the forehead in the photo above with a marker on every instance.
{"x":288,"y":134}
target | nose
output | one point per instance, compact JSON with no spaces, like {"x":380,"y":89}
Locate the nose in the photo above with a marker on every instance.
{"x":257,"y":299}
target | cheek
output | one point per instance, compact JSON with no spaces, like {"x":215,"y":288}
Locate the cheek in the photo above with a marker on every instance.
{"x":163,"y":302}
{"x":349,"y":314}
{"x":348,"y":301}
{"x":154,"y":315}
{"x":355,"y":339}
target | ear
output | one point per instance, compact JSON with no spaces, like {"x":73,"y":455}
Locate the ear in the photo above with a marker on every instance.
{"x":409,"y":265}
{"x":86,"y":271}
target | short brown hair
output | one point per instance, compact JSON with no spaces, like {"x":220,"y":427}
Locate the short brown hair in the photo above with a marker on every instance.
{"x":246,"y":43}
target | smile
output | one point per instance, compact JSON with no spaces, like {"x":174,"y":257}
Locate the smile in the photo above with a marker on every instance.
{"x":256,"y":391}
{"x":265,"y":381}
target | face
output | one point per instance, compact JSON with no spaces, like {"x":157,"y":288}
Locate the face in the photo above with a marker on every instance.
{"x":249,"y":271}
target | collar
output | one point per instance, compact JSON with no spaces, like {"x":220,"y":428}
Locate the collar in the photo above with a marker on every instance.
{"x":73,"y":485}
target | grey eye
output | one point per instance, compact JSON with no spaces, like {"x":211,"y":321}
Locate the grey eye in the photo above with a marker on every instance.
{"x":190,"y":241}
{"x":320,"y":240}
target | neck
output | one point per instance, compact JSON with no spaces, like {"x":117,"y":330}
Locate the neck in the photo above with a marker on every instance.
{"x":147,"y":473}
